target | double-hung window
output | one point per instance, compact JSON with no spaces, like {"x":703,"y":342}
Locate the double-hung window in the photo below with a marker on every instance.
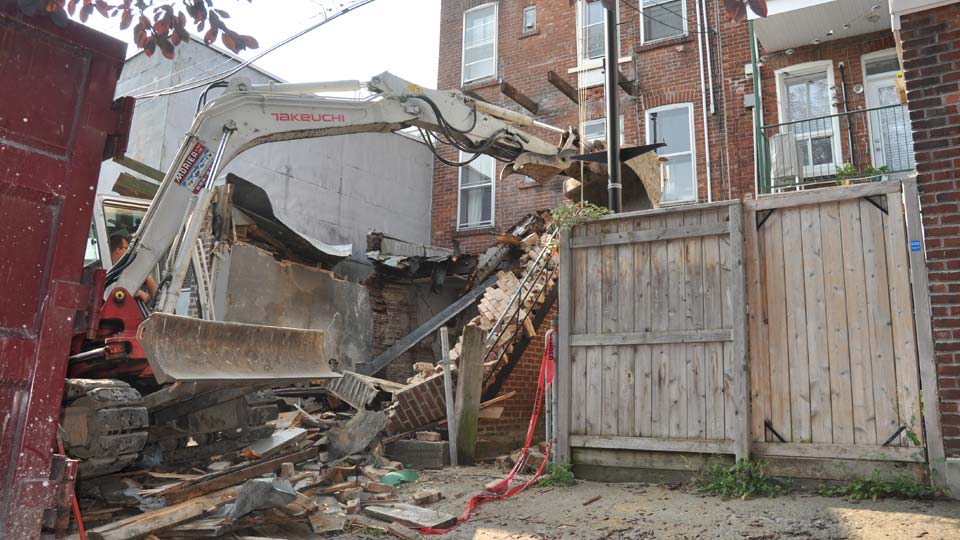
{"x":530,"y":19}
{"x":475,"y":198}
{"x":805,"y":98}
{"x":480,"y":43}
{"x":662,"y":19}
{"x":596,"y":130}
{"x":591,"y":43}
{"x":673,"y":125}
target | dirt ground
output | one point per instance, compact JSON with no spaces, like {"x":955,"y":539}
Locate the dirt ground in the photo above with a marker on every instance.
{"x":647,"y":512}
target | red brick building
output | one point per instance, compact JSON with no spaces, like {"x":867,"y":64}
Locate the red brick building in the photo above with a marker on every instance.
{"x":828,"y":105}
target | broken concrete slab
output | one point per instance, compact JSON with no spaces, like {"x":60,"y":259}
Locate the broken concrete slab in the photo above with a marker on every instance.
{"x":356,"y":435}
{"x":262,"y":494}
{"x":410,"y":515}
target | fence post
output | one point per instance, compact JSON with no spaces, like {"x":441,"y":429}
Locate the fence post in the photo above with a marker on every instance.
{"x":469,"y":387}
{"x":741,"y":371}
{"x":936,"y":457}
{"x":562,"y":351}
{"x":448,"y":393}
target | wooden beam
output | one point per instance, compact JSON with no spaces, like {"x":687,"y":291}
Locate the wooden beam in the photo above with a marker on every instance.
{"x":142,"y":525}
{"x":475,"y":96}
{"x":651,"y":235}
{"x":822,"y":195}
{"x":936,"y":456}
{"x":626,"y":84}
{"x":129,"y":185}
{"x":563,"y":86}
{"x":469,"y":388}
{"x":651,"y":338}
{"x":741,"y":366}
{"x":840,"y":451}
{"x":508,"y":90}
{"x":564,"y":371}
{"x":650,"y":444}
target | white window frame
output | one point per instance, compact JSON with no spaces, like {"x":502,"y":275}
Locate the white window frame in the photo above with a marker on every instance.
{"x":523,"y":19}
{"x":588,"y":69}
{"x":493,"y":194}
{"x":683,"y":16}
{"x":596,"y":121}
{"x":809,"y":68}
{"x":693,"y":146}
{"x":463,"y":42}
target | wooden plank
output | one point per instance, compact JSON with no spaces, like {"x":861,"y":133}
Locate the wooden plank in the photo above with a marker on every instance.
{"x":925,"y":353}
{"x":756,"y":327}
{"x":841,"y":451}
{"x":713,"y":319}
{"x":739,"y":366}
{"x":578,"y":357}
{"x":818,"y":196}
{"x":838,"y":349}
{"x":776,"y":289}
{"x":643,"y":369}
{"x":666,"y":337}
{"x":565,"y":314}
{"x":901,"y":311}
{"x":663,"y":212}
{"x":141,"y":525}
{"x":563,"y":86}
{"x":727,"y":277}
{"x":410,"y":515}
{"x":626,"y":393}
{"x":695,"y":387}
{"x":878,"y":310}
{"x":609,"y":356}
{"x":469,"y":388}
{"x":821,"y":415}
{"x":796,"y":326}
{"x":654,"y":444}
{"x":519,"y":97}
{"x":861,"y":368}
{"x":659,"y":299}
{"x":677,"y":231}
{"x":676,"y":320}
{"x":594,"y":297}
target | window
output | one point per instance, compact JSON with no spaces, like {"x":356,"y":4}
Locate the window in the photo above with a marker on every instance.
{"x":480,"y":43}
{"x":805,"y":98}
{"x":592,"y":38}
{"x":475,"y":203}
{"x":596,"y":130}
{"x":673,"y":124}
{"x":529,"y":19}
{"x":662,"y":19}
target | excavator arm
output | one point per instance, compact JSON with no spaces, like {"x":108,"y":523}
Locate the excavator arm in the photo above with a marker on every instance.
{"x":248,"y":115}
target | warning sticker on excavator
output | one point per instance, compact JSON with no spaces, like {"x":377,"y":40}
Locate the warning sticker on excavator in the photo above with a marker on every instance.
{"x":192,"y":172}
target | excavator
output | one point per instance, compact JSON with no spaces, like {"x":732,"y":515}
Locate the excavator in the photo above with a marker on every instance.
{"x":151,"y":386}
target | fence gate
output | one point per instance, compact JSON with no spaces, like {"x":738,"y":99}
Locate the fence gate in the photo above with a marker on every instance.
{"x":653,"y":332}
{"x":833,"y":347}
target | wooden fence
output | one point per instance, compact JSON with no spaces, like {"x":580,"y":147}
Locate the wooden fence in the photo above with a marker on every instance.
{"x":654,"y":330}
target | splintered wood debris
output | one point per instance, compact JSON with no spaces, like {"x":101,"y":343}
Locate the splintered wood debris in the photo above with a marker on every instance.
{"x":318,"y":473}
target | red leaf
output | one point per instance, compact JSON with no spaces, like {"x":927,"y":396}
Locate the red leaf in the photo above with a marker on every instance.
{"x":149,"y":47}
{"x":72,"y":6}
{"x":249,"y":42}
{"x":229,"y":42}
{"x":175,"y":38}
{"x":166,"y":47}
{"x":85,"y":12}
{"x":222,"y":13}
{"x":125,"y":19}
{"x":103,"y":8}
{"x":210,"y":36}
{"x":758,"y":6}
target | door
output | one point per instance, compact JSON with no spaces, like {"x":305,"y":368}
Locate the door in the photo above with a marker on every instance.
{"x":891,"y":141}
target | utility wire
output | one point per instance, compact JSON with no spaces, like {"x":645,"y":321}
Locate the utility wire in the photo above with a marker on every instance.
{"x":185,"y":87}
{"x":658,"y":21}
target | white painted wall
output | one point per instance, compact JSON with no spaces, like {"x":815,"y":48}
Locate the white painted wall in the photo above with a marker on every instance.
{"x":334,"y":189}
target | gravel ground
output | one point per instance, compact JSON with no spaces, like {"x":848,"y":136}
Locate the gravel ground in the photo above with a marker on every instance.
{"x":644,"y":511}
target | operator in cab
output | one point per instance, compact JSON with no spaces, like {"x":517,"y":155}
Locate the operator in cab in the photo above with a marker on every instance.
{"x":119,"y":242}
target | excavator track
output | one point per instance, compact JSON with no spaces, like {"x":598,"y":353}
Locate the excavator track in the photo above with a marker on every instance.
{"x":104,"y":425}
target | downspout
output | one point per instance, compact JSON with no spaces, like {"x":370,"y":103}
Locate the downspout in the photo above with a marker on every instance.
{"x":846,"y":109}
{"x":705,"y":30}
{"x":703,"y":102}
{"x":758,"y":156}
{"x":724,"y":104}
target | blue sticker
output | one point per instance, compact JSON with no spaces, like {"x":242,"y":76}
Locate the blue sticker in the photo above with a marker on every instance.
{"x":914,"y":245}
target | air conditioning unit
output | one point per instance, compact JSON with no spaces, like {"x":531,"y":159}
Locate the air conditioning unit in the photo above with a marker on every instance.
{"x":785,"y":167}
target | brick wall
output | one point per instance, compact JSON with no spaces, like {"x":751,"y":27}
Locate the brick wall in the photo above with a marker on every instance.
{"x":931,"y":58}
{"x":394,"y":316}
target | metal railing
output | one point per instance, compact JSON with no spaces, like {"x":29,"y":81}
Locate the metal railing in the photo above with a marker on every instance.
{"x":856,"y":146}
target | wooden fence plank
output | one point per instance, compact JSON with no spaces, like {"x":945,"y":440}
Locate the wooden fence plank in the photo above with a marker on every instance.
{"x":796,"y":326}
{"x":780,"y":399}
{"x":666,"y":337}
{"x":660,"y":422}
{"x":678,"y":231}
{"x":578,"y":357}
{"x":626,"y":392}
{"x":676,"y":372}
{"x":594,"y":297}
{"x":655,"y":445}
{"x":642,"y":323}
{"x":818,"y":196}
{"x":609,"y":356}
{"x":728,"y":278}
{"x":757,"y":326}
{"x":861,"y":368}
{"x":901,"y":308}
{"x":841,"y":451}
{"x":922,"y":317}
{"x":695,"y":387}
{"x":881,"y":335}
{"x":821,"y":415}
{"x":565,"y":317}
{"x":841,"y":398}
{"x":712,"y":319}
{"x":740,"y":385}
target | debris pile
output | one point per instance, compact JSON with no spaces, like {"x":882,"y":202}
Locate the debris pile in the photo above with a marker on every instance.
{"x":317,"y":473}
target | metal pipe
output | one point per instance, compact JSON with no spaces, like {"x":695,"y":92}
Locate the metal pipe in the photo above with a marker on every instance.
{"x":846,"y":108}
{"x":448,"y":393}
{"x":705,"y":30}
{"x":612,"y":34}
{"x":757,"y":113}
{"x":703,"y":102}
{"x":308,"y":87}
{"x":554,"y":325}
{"x":89,"y":354}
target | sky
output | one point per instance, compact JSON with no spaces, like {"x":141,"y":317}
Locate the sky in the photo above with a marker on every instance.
{"x":400,"y":36}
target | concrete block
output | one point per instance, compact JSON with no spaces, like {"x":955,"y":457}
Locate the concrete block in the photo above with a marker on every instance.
{"x":419,"y":454}
{"x":953,"y":477}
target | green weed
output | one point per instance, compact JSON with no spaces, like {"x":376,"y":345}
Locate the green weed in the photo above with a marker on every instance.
{"x":558,"y":475}
{"x":743,"y":480}
{"x":876,"y":487}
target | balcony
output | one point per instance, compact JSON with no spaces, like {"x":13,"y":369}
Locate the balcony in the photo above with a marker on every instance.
{"x":865,"y":145}
{"x":790,"y":24}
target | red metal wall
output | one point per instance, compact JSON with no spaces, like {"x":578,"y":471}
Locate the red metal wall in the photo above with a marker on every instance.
{"x":55,"y":115}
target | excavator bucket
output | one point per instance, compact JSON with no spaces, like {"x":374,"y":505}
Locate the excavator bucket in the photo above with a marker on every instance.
{"x":543,"y":167}
{"x":194,"y":350}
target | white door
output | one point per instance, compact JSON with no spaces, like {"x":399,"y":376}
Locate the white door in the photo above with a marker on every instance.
{"x":891,"y":140}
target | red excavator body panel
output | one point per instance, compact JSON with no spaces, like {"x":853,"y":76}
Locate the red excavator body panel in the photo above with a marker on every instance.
{"x":56,"y":117}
